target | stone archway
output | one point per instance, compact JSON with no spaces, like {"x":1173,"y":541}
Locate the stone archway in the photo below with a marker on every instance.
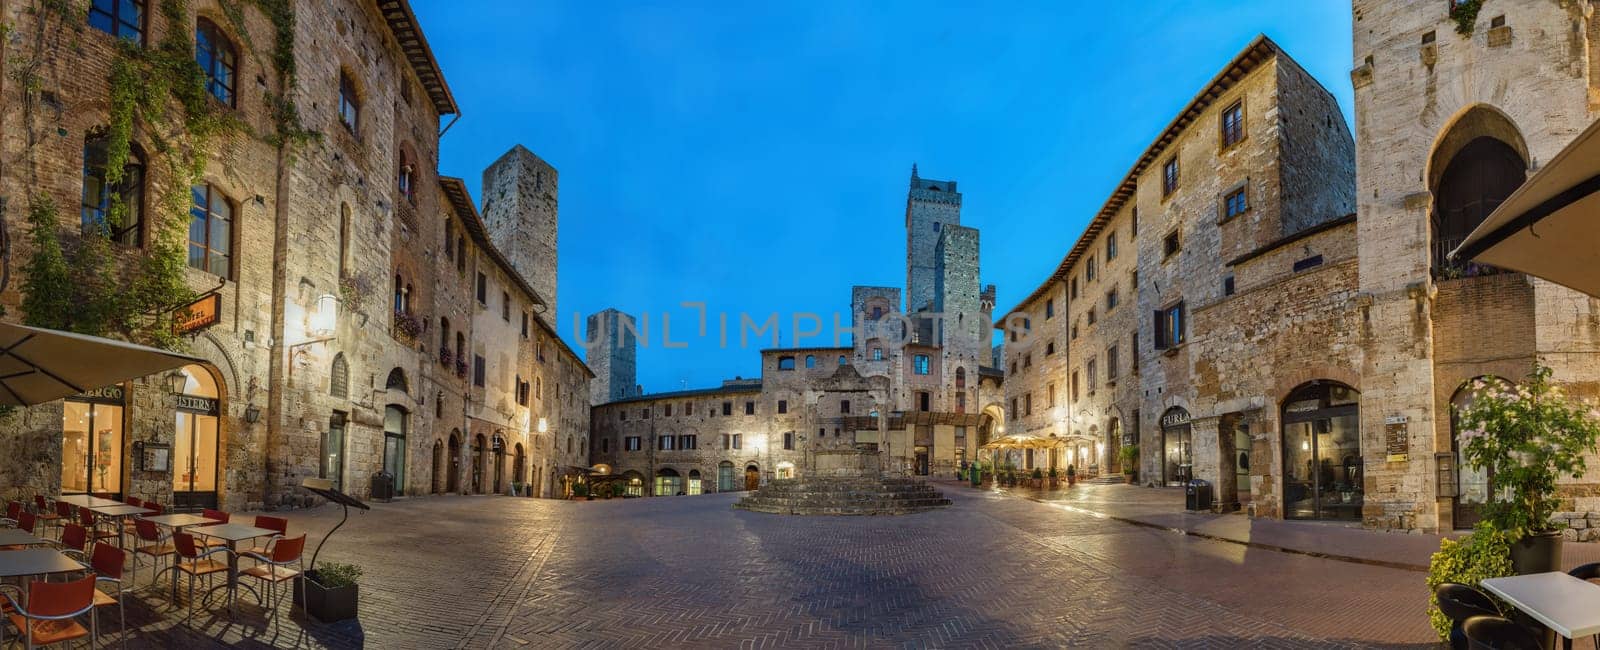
{"x":453,"y":463}
{"x":1478,"y":161}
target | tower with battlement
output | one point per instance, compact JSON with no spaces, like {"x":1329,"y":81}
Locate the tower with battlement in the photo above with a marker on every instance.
{"x":930,"y":206}
{"x":519,"y":208}
{"x":611,"y":351}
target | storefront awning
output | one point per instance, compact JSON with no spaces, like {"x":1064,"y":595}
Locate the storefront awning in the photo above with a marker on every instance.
{"x":1550,"y":226}
{"x":40,"y":365}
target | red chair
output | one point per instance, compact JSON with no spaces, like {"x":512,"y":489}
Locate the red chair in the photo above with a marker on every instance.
{"x":133,"y":501}
{"x":13,"y":509}
{"x":196,"y":563}
{"x":221,"y":518}
{"x":73,"y":537}
{"x":155,"y":508}
{"x":47,"y":620}
{"x":276,"y":524}
{"x":152,"y":544}
{"x":64,"y":513}
{"x":95,"y":525}
{"x":107,"y":564}
{"x":275,"y":565}
{"x":42,"y":508}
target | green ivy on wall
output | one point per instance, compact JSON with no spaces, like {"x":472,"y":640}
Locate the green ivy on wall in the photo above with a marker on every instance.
{"x":75,"y":283}
{"x":1465,"y":13}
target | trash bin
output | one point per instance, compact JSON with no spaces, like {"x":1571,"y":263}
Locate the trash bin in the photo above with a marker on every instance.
{"x":1197,"y":495}
{"x":383,"y":486}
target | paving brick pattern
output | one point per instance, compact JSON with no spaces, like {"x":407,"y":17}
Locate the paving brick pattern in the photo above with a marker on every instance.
{"x":992,"y":570}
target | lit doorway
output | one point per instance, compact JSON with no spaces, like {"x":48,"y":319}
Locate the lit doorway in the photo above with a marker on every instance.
{"x":194,"y":443}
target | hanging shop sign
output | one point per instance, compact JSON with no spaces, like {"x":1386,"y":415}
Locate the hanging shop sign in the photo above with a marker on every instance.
{"x":197,"y":404}
{"x":1395,"y":441}
{"x":198,"y":315}
{"x":107,"y":395}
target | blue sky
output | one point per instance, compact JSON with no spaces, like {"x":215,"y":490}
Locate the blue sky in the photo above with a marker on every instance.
{"x":755,"y":156}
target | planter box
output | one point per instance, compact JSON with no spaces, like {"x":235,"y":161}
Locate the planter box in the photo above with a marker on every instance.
{"x":327,"y":605}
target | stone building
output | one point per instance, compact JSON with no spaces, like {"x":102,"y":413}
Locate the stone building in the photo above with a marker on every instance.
{"x":914,"y":383}
{"x":612,"y":351}
{"x":328,"y":266}
{"x":1218,"y":269}
{"x":1448,"y":125}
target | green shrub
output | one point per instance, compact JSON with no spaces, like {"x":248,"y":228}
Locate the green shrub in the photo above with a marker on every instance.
{"x":1038,"y":473}
{"x":1486,"y":553}
{"x":580,"y":490}
{"x":1130,"y":459}
{"x":334,"y":575}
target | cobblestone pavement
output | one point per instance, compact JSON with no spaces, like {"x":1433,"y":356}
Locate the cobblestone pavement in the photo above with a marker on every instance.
{"x":989,"y":571}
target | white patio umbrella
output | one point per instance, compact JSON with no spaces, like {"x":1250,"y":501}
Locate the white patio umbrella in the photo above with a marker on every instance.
{"x":1550,"y":226}
{"x":41,"y":365}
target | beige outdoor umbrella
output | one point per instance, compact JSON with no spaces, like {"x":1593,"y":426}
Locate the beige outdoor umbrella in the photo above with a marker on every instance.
{"x":40,"y":365}
{"x":1550,"y":226}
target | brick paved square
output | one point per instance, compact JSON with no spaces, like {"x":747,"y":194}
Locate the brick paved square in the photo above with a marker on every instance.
{"x":990,"y":571}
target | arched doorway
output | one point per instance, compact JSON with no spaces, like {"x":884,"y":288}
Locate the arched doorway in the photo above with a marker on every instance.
{"x":453,"y":469}
{"x":1322,"y":464}
{"x":694,"y":482}
{"x":668,"y":482}
{"x":438,"y":466}
{"x":479,"y":457}
{"x":519,"y":465}
{"x":1478,"y":162}
{"x":1113,"y":446}
{"x":1473,"y":486}
{"x":635,"y":484}
{"x":1177,"y":447}
{"x":395,"y":424}
{"x":498,"y":446}
{"x":725,"y":477}
{"x":195,"y":445}
{"x":752,"y":477}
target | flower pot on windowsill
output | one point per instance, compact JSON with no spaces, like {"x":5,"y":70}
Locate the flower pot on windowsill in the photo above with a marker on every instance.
{"x":327,"y":605}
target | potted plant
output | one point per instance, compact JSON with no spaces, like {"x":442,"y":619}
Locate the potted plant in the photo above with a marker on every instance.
{"x":582,"y":490}
{"x":1072,"y":476}
{"x":1526,"y":437}
{"x":975,"y":474}
{"x":1038,"y":477}
{"x":332,"y":590}
{"x":1055,"y":481}
{"x":1486,"y":553}
{"x":1130,"y":464}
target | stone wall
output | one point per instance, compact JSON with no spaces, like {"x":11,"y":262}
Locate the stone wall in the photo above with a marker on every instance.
{"x":520,"y":197}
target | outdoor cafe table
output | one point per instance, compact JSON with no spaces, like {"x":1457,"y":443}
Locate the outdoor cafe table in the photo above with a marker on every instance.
{"x":177,"y":522}
{"x":1561,"y":602}
{"x":29,"y":562}
{"x":233,"y":534}
{"x":87,"y":501}
{"x":18,"y":537}
{"x":120,"y":512}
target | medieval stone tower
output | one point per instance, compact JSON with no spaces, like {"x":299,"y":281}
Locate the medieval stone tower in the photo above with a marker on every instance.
{"x":611,"y":351}
{"x":930,"y":206}
{"x":519,"y":207}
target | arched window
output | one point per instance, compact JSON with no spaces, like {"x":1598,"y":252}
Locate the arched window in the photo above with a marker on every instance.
{"x":211,"y":231}
{"x":1474,"y":166}
{"x":406,"y":182}
{"x":396,"y":381}
{"x":1322,"y":463}
{"x":217,"y":59}
{"x":114,"y":206}
{"x":843,"y":361}
{"x":961,"y":377}
{"x":786,"y":363}
{"x":461,"y":353}
{"x":339,"y":377}
{"x":399,"y":295}
{"x":811,"y":361}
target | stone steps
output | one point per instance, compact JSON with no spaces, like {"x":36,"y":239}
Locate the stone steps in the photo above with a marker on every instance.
{"x":844,"y":496}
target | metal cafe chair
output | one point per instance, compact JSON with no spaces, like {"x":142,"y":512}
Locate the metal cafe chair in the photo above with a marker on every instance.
{"x":47,"y":619}
{"x":221,"y":518}
{"x":64,"y":514}
{"x":276,"y":564}
{"x":1459,"y":602}
{"x":275,"y":524}
{"x":42,"y":509}
{"x":98,"y":528}
{"x":73,"y":538}
{"x":192,"y":561}
{"x":13,"y":512}
{"x":149,"y":542}
{"x":106,"y":562}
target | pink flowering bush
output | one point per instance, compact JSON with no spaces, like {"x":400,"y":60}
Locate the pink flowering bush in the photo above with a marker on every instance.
{"x":1527,"y":436}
